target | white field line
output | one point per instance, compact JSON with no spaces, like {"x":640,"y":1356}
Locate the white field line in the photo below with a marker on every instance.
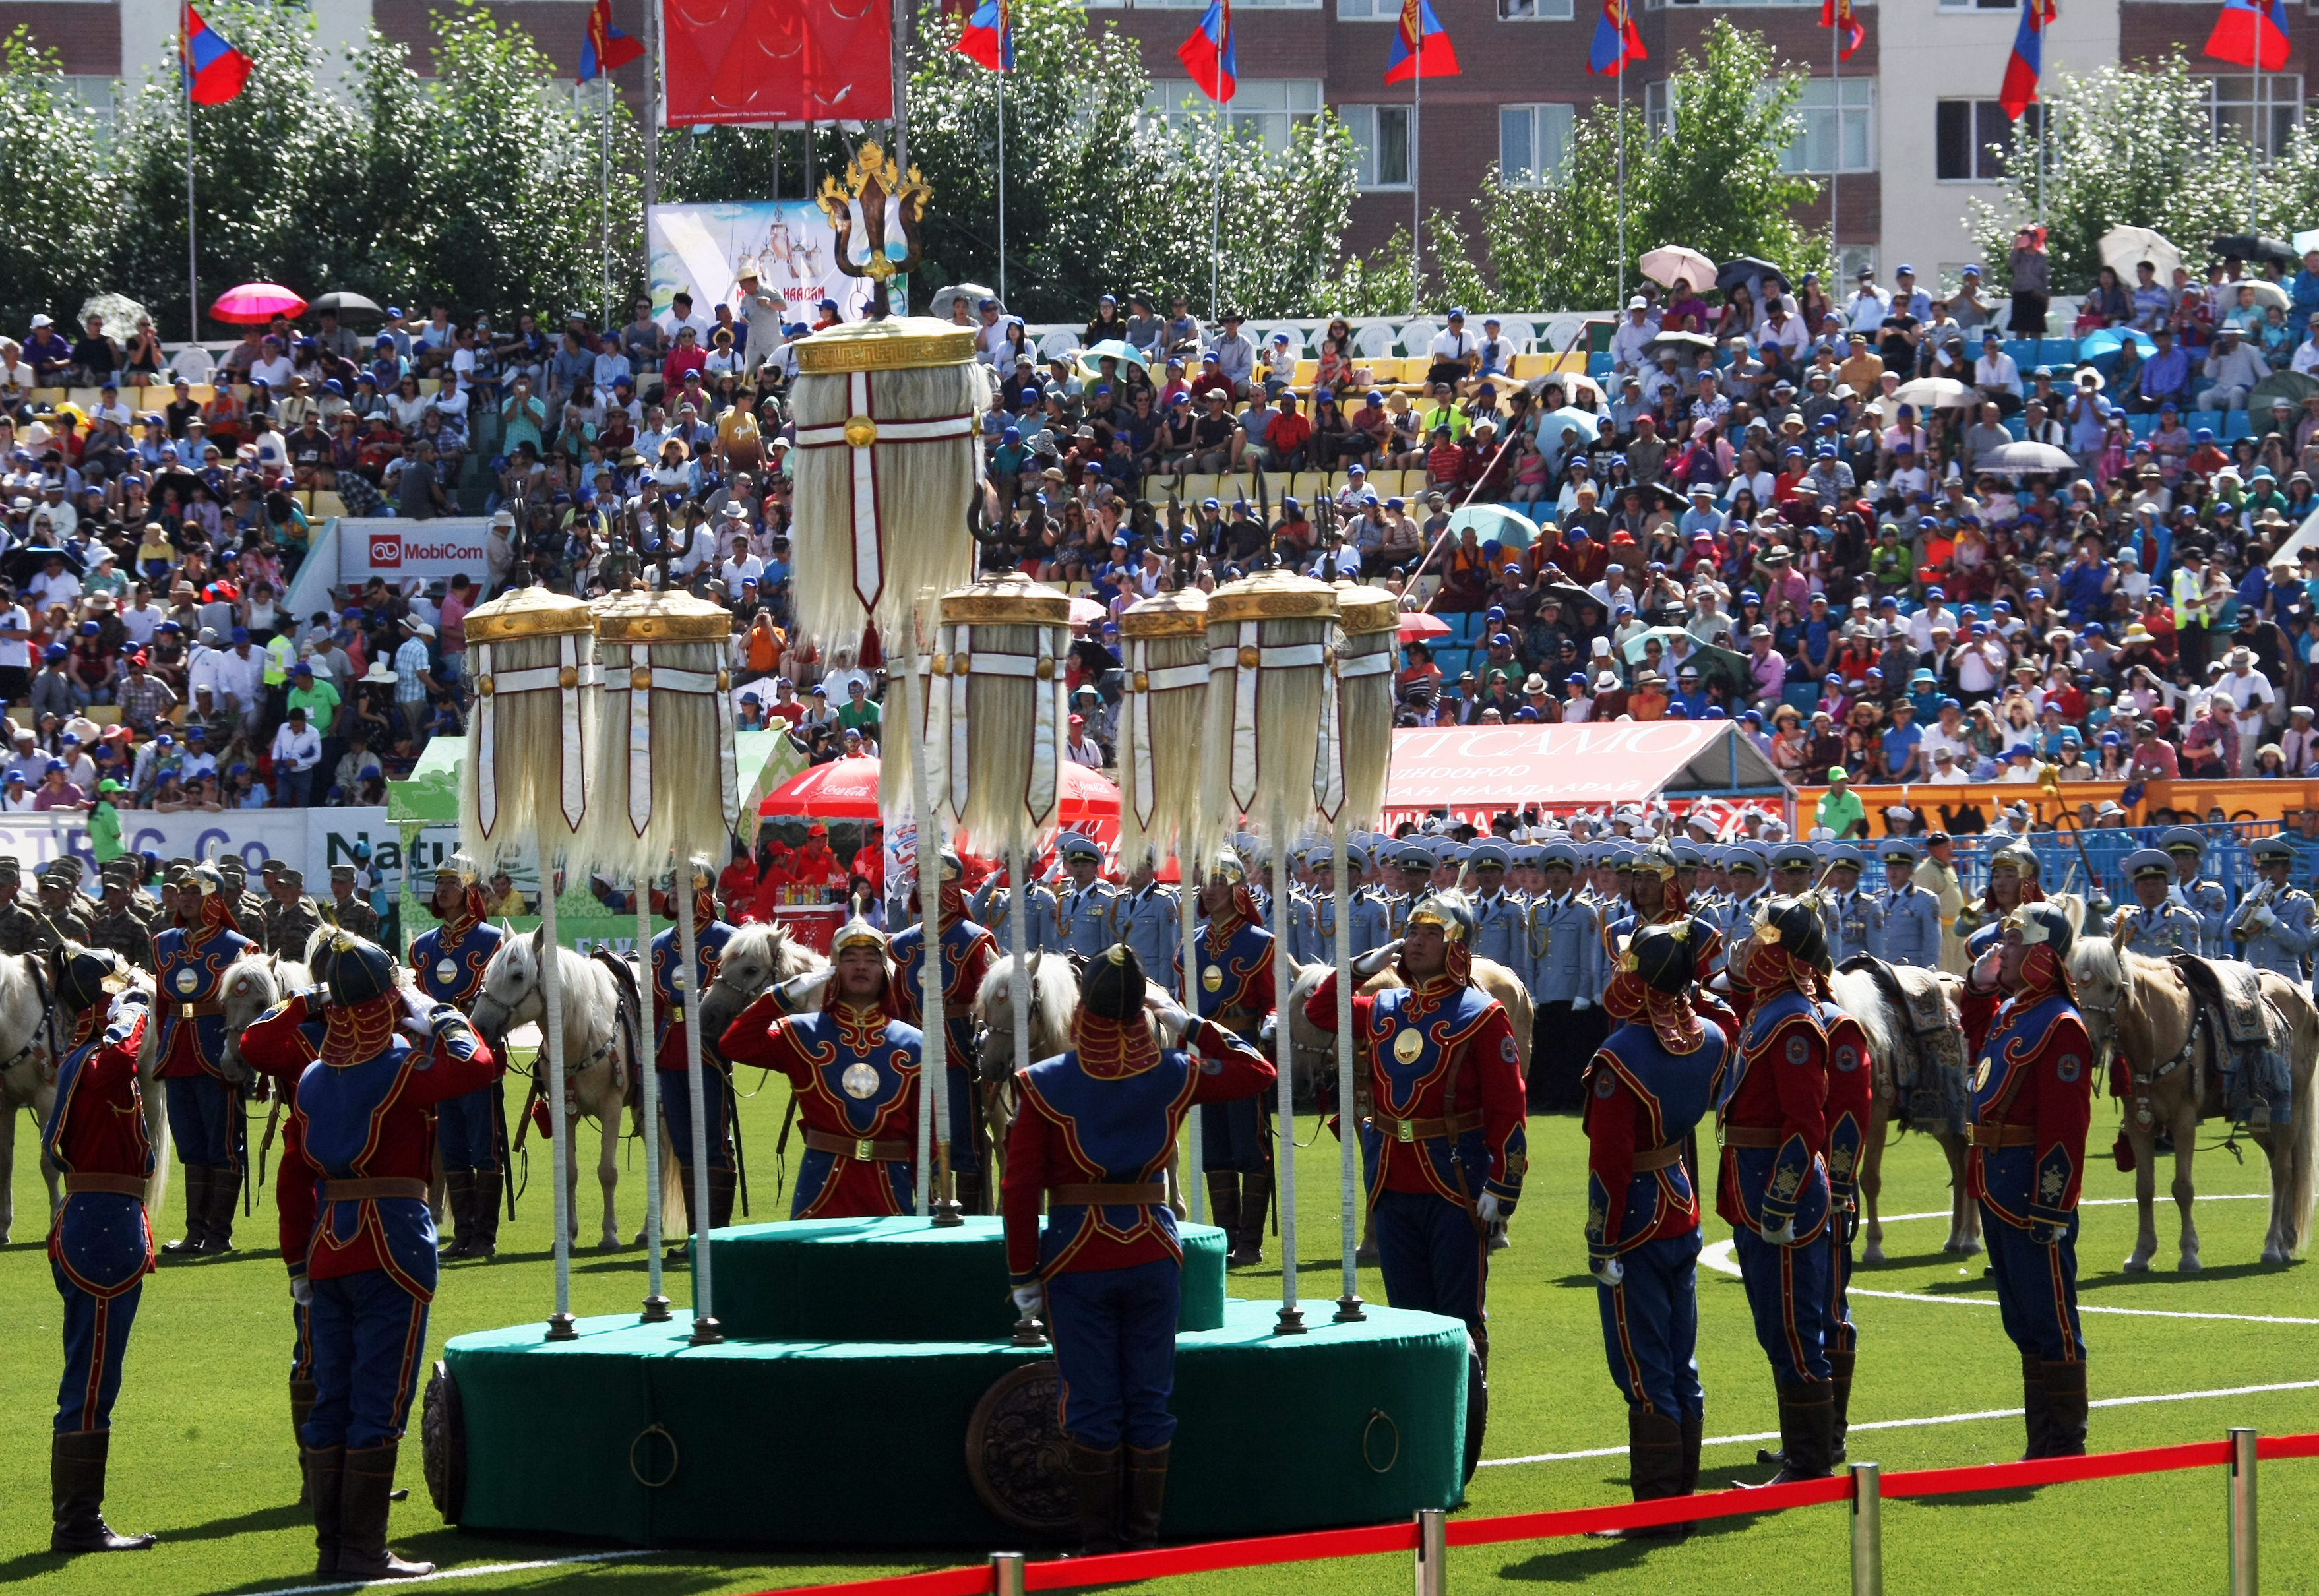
{"x":478,"y":1572}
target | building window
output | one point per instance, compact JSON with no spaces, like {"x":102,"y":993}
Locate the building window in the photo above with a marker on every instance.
{"x":1655,"y":113}
{"x":96,"y":93}
{"x":1367,"y":11}
{"x":1851,"y":260}
{"x":2231,"y":102}
{"x":1980,"y":5}
{"x":1273,"y":107}
{"x":1380,"y":144}
{"x":1972,"y":139}
{"x":1660,"y":4}
{"x":1532,"y":11}
{"x":1534,"y":144}
{"x":1835,"y":136}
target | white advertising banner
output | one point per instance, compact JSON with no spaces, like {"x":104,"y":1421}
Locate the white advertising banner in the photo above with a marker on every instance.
{"x":399,"y":551}
{"x":699,"y":248}
{"x":312,"y":840}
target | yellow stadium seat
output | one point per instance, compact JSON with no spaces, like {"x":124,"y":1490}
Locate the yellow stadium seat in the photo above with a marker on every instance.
{"x":47,"y":396}
{"x":1306,"y":370}
{"x":1239,"y":484}
{"x":1198,"y":485}
{"x":87,"y":399}
{"x":327,"y":506}
{"x":1533,"y":365}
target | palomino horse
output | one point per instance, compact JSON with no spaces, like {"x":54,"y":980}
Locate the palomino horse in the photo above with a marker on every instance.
{"x":597,"y":1071}
{"x":2140,"y":1010}
{"x":35,"y":1027}
{"x":1860,"y":993}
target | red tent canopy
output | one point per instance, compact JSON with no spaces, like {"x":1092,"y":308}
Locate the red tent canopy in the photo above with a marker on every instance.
{"x":847,"y":789}
{"x":1475,"y":772}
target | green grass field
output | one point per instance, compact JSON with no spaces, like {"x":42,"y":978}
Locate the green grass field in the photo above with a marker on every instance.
{"x":202,"y":1453}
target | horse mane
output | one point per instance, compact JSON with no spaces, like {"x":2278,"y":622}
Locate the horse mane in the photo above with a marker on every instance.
{"x":788,"y":956}
{"x":1054,"y":1003}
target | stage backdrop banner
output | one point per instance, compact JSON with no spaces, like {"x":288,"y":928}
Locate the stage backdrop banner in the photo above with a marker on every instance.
{"x":1476,"y":772}
{"x":312,"y":840}
{"x":699,"y":248}
{"x":399,"y":551}
{"x":751,"y":62}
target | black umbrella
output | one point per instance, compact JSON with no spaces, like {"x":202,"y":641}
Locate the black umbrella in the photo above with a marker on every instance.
{"x":347,"y":303}
{"x":1572,"y":596}
{"x":1748,"y":269}
{"x":25,"y":564}
{"x":2255,"y":247}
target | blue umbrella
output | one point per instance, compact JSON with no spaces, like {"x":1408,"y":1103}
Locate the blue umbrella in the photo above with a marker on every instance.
{"x":1494,"y":523}
{"x":2099,"y":349}
{"x":1550,"y":426}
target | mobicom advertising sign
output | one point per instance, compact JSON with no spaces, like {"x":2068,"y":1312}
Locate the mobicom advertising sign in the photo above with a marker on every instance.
{"x":399,"y":551}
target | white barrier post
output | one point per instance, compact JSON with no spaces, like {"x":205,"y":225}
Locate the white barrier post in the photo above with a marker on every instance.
{"x":1432,"y":1551}
{"x":1867,"y":1530}
{"x":2245,"y":1580}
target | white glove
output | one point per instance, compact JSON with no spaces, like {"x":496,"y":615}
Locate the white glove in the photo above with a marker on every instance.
{"x":1579,"y":1006}
{"x":301,"y":1291}
{"x":2265,"y":918}
{"x":1609,"y":1271}
{"x":1173,"y":1019}
{"x":1029,"y":1300}
{"x":1376,"y":959}
{"x":1485,"y":1206}
{"x":1785,"y":1236}
{"x":799,"y":992}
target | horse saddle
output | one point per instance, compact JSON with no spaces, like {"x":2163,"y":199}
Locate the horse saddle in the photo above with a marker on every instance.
{"x":2258,"y":1081}
{"x":2232,"y":990}
{"x":623,"y":981}
{"x":1935,"y":1040}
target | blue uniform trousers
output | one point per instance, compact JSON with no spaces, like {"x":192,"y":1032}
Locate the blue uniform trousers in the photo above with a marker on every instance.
{"x":1232,"y":1137}
{"x":676,"y":1110}
{"x":1840,"y":1333}
{"x":1432,"y":1257}
{"x":2036,"y":1288}
{"x":964,"y":1158}
{"x":1650,"y":1327}
{"x":96,"y":1337}
{"x":370,"y":1342}
{"x":467,"y":1131}
{"x":1788,"y":1291}
{"x":1115,"y":1334}
{"x":201,"y":1110}
{"x":301,"y":1342}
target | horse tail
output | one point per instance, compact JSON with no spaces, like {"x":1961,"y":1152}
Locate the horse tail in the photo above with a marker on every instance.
{"x":2301,"y":1192}
{"x":673,"y":1220}
{"x":156,"y":1136}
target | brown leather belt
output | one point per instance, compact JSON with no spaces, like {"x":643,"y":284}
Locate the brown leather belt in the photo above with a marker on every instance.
{"x":1753,"y":1136}
{"x":360,"y":1191}
{"x":1988,"y":1136}
{"x":1107,"y":1196}
{"x":118,"y":1186}
{"x":199,"y":1010}
{"x":860,"y":1149}
{"x":1393,"y":1130}
{"x":1658,"y":1157}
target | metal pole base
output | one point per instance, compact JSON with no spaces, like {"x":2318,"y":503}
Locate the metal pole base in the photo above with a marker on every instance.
{"x":1030,"y":1332}
{"x":1007,"y":1574}
{"x":1349,"y":1310}
{"x":656,"y":1310}
{"x":1291,"y":1321}
{"x":1432,"y":1565}
{"x":707,"y":1332}
{"x":561,"y":1327}
{"x":948,"y":1215}
{"x":1867,"y":1529}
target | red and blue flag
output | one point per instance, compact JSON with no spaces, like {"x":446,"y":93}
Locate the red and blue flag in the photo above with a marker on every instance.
{"x":1420,"y":46}
{"x":1209,"y":55}
{"x":214,"y":70}
{"x":2251,"y":33}
{"x":1616,"y":41}
{"x":1839,"y":14}
{"x":987,"y":37}
{"x":2029,"y":62}
{"x":605,"y":47}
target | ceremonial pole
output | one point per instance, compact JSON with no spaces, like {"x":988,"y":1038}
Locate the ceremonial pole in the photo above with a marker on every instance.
{"x":1187,"y":907}
{"x":933,"y":1076}
{"x":1349,"y":1305}
{"x":1216,"y":225}
{"x":604,"y":83}
{"x":1835,"y":144}
{"x":1416,"y":192}
{"x":706,"y":1330}
{"x":1018,"y":937}
{"x":1000,"y":78}
{"x":551,"y":988}
{"x":648,"y":1068}
{"x":1620,"y":120}
{"x":1283,"y":1180}
{"x":193,"y":243}
{"x":652,"y":130}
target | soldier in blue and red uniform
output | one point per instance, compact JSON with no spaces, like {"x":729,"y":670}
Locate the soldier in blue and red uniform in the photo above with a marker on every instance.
{"x":296,"y":1186}
{"x":1441,"y":1127}
{"x":2032,"y":1102}
{"x":968,"y":952}
{"x":449,"y":962}
{"x":1851,"y":1098}
{"x":365,"y":1124}
{"x":204,"y":1109}
{"x":710,"y":936}
{"x":1771,"y":1111}
{"x":1234,"y":987}
{"x":100,"y":1247}
{"x":1647,"y":1088}
{"x":1097,"y":1127}
{"x":855,"y":1071}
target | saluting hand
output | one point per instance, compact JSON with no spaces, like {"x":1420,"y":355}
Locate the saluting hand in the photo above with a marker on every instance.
{"x":1376,"y":959}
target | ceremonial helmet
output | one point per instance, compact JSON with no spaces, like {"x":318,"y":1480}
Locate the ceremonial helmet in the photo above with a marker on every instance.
{"x":1794,"y":924}
{"x":1657,"y":861}
{"x":1227,"y":866}
{"x":460,"y":869}
{"x":1450,"y":910}
{"x":1112,"y":987}
{"x":2043,"y":925}
{"x":86,"y":976}
{"x":1662,"y":955}
{"x":2017,"y":857}
{"x":858,"y":933}
{"x":951,"y":868}
{"x":355,"y":970}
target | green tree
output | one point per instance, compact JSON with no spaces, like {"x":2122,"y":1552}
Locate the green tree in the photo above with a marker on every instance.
{"x":56,"y":205}
{"x":1714,"y":182}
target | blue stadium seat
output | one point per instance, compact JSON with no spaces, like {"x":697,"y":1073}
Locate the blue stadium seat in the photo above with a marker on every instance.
{"x":2025,"y":353}
{"x":2237,"y":425}
{"x":1598,"y":364}
{"x":2142,"y":426}
{"x":2018,"y":426}
{"x":1803,"y":696}
{"x":2057,"y":353}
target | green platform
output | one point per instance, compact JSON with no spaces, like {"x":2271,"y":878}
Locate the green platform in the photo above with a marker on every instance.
{"x":840,"y":1417}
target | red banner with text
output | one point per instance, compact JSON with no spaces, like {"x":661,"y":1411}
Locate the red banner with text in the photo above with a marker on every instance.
{"x":742,"y":62}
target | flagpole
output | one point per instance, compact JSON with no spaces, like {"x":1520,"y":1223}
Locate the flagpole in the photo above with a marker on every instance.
{"x":2256,"y":131}
{"x":193,"y":244}
{"x":1216,"y":220}
{"x":1001,"y":76}
{"x":604,"y":84}
{"x":1621,"y":300}
{"x":1835,"y":144}
{"x":651,"y":132}
{"x":1417,"y":179}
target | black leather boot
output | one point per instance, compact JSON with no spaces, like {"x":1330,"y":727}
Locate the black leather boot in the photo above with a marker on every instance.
{"x":362,"y":1553}
{"x":1694,"y":1430}
{"x":968,"y":1184}
{"x":1223,"y":1205}
{"x":1146,"y":1490}
{"x":1095,"y":1479}
{"x":1255,"y":1200}
{"x":722,"y":1186}
{"x":218,"y":1234}
{"x":1655,"y":1464}
{"x":1839,"y":1367}
{"x":2036,"y":1416}
{"x":458,"y":1197}
{"x":326,"y":1480}
{"x":1807,"y":1431}
{"x":197,"y":1201}
{"x":2065,"y":1410}
{"x":301,"y":1403}
{"x":484,"y":1210}
{"x":76,"y":1485}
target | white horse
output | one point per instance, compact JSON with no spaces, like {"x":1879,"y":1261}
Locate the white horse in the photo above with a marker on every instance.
{"x":2140,"y":1008}
{"x":31,"y":1031}
{"x":757,"y":957}
{"x":598,"y":1068}
{"x":1314,"y":1051}
{"x":1860,"y":995}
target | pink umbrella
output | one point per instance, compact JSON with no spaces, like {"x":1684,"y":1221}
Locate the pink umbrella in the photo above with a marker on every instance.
{"x":256,"y":303}
{"x":1086,"y":612}
{"x":1416,"y":627}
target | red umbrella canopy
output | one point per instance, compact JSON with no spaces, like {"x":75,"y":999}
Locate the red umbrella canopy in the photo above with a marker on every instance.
{"x":1417,"y":626}
{"x":847,"y":789}
{"x":256,"y":303}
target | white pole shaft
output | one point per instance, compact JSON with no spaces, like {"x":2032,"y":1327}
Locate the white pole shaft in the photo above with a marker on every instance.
{"x":704,"y":1298}
{"x":604,"y":82}
{"x":1284,"y":1175}
{"x":648,"y":1072}
{"x":1622,"y":175}
{"x":934,"y":1072}
{"x":1835,"y":150}
{"x":1347,"y":1121}
{"x":1187,"y":904}
{"x":192,"y":242}
{"x":551,"y":990}
{"x":1416,"y":184}
{"x":652,"y":129}
{"x":1001,"y":76}
{"x":1216,"y":226}
{"x":1018,"y":938}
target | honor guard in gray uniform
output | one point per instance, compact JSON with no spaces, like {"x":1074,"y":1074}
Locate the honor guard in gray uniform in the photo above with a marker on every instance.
{"x":1372,"y":916}
{"x":1795,"y":868}
{"x":1313,"y":914}
{"x":1084,"y":910}
{"x":993,"y":901}
{"x":2195,"y":890}
{"x":1414,"y":862}
{"x":1499,"y":932}
{"x":1150,"y":920}
{"x":1564,"y":974}
{"x":1905,"y":926}
{"x":1850,"y":913}
{"x":2272,"y":927}
{"x":118,"y":929}
{"x":1745,"y":863}
{"x":1688,"y":860}
{"x":2155,"y":925}
{"x":297,"y":919}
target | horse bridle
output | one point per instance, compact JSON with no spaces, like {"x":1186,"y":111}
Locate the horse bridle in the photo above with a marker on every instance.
{"x":48,"y":1025}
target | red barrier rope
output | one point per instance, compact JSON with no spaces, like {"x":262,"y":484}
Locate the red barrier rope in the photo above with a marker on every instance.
{"x":1313,"y":1546}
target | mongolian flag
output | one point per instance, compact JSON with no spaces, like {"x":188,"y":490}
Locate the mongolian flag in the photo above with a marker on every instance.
{"x":1837,"y":14}
{"x":2021,"y":73}
{"x":1616,"y":43}
{"x":214,"y":70}
{"x":1420,"y":46}
{"x":987,"y":37}
{"x":2249,"y":29}
{"x":605,"y":47}
{"x":1209,"y":56}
